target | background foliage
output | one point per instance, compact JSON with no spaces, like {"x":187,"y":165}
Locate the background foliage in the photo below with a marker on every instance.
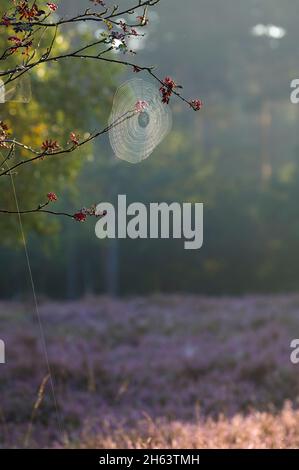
{"x":239,"y":156}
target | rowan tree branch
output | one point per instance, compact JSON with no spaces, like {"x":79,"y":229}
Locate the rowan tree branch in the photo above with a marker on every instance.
{"x":30,"y":26}
{"x":79,"y":216}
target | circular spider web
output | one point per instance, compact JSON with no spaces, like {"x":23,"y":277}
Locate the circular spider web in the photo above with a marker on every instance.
{"x":18,"y":91}
{"x":139,"y":121}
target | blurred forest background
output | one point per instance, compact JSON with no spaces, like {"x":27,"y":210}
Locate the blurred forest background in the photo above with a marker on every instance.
{"x":239,"y":156}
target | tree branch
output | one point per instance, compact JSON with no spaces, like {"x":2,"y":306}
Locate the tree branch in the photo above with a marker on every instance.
{"x":29,"y":30}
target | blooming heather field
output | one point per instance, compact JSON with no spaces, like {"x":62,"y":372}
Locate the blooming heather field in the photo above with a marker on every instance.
{"x":164,"y":371}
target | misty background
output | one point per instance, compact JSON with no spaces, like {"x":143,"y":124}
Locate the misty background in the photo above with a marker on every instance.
{"x":239,"y":156}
